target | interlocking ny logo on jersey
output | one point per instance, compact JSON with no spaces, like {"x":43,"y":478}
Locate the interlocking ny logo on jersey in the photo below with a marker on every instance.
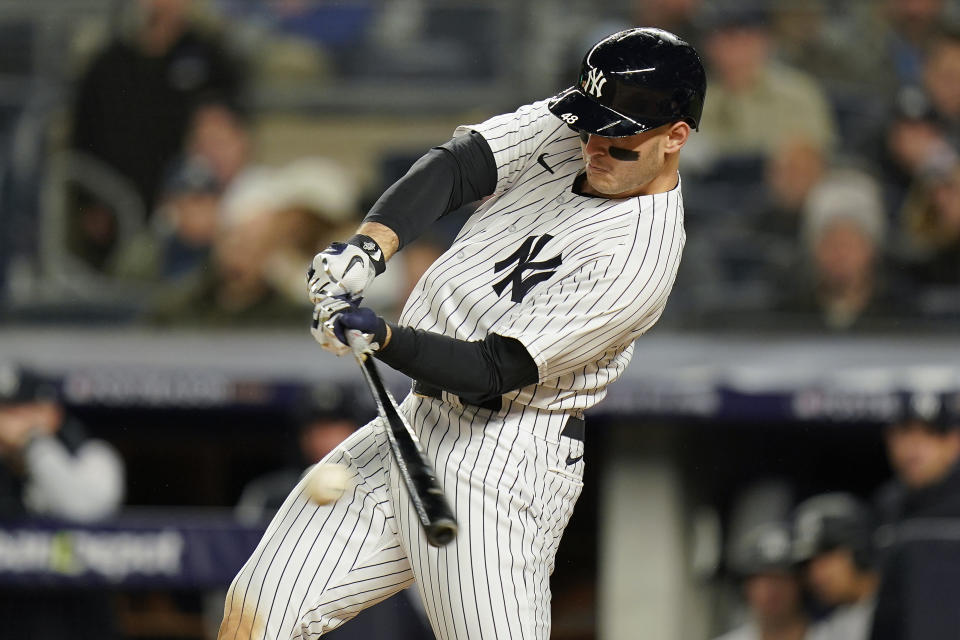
{"x":594,"y":82}
{"x":523,"y":257}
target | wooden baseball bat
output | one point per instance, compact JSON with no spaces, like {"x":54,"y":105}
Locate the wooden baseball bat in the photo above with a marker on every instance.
{"x":427,"y":497}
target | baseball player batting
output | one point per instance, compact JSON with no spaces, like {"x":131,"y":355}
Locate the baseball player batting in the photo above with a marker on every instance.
{"x":509,"y":336}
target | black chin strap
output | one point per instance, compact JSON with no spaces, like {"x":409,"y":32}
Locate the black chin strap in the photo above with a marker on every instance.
{"x":617,"y":153}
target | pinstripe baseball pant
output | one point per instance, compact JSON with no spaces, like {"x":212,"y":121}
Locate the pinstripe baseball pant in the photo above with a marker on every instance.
{"x":507,"y":477}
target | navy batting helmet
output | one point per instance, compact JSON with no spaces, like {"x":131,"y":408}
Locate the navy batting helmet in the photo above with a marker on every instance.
{"x":938,"y":410}
{"x":633,"y":81}
{"x":833,"y":521}
{"x":764,"y":548}
{"x":20,"y":385}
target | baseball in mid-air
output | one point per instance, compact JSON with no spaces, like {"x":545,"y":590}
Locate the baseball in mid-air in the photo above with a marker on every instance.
{"x":327,"y":482}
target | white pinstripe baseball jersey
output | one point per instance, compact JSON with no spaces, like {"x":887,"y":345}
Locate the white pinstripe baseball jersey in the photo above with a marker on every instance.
{"x":575,"y":279}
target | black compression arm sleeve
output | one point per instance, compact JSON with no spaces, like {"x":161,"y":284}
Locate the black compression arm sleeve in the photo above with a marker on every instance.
{"x":477,"y":370}
{"x":446,"y":178}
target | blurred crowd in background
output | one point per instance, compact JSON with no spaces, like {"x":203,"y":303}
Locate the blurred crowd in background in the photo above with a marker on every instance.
{"x":837,"y":566}
{"x":178,"y":162}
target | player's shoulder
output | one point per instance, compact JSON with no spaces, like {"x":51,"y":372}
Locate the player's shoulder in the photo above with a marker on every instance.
{"x":534,"y":115}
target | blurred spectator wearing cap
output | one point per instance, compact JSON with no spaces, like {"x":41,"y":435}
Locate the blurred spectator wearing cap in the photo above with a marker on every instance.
{"x":921,"y":132}
{"x":324,"y":420}
{"x":923,"y":447}
{"x":908,"y":28}
{"x":762,"y":560}
{"x":920,"y":542}
{"x":843,"y":233}
{"x":133,"y":106}
{"x":911,"y":141}
{"x":219,"y":136}
{"x":833,"y":541}
{"x":50,"y":468}
{"x":271,"y":221}
{"x":941,"y":79}
{"x":756,"y":105}
{"x":181,"y":234}
{"x":931,"y":220}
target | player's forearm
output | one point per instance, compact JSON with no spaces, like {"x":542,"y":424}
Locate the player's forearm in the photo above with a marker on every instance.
{"x":443,"y":180}
{"x":475,"y":369}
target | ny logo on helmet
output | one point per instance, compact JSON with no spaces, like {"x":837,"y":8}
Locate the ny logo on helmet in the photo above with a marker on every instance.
{"x":594,"y":82}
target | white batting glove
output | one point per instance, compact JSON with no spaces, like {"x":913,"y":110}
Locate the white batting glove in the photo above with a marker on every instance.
{"x":341,"y":325}
{"x":322,"y":326}
{"x":345,"y":268}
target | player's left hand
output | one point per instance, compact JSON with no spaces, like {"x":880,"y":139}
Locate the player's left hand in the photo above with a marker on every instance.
{"x":345,"y":268}
{"x":342,"y":326}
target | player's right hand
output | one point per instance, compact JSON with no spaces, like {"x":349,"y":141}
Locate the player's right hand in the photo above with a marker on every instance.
{"x":344,"y":269}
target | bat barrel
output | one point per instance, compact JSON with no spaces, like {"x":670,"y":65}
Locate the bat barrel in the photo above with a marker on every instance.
{"x":427,"y":497}
{"x":441,"y":532}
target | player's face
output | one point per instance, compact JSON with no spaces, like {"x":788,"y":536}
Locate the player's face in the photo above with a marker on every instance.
{"x":920,"y":455}
{"x":832,"y":577}
{"x":773,"y":597}
{"x":649,"y":173}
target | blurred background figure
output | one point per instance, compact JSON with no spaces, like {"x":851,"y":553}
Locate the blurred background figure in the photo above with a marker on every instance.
{"x":911,"y":139}
{"x":48,"y":465}
{"x":908,"y":28}
{"x":177,"y":241}
{"x":941,"y":78}
{"x":133,"y":105}
{"x":676,"y":16}
{"x":790,"y":174}
{"x":813,"y":35}
{"x":323,"y":421}
{"x":762,"y":561}
{"x":931,"y":226}
{"x":921,"y":511}
{"x":756,"y":103}
{"x":181,"y":233}
{"x":921,"y":131}
{"x":270,"y":223}
{"x":219,"y":137}
{"x":50,"y":468}
{"x":843,"y":283}
{"x":766,"y":135}
{"x":923,"y":448}
{"x":833,"y":542}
